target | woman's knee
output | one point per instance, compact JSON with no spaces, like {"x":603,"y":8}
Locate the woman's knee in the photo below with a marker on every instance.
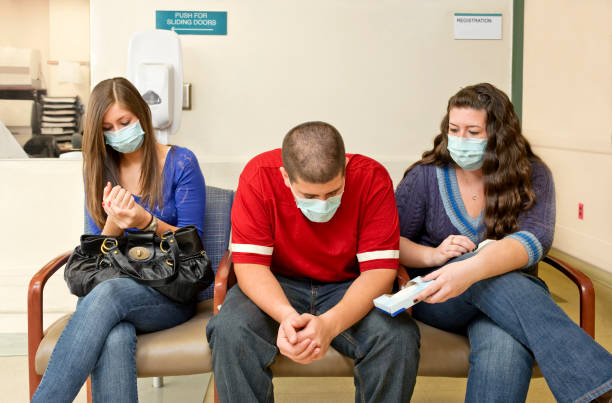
{"x":110,"y":295}
{"x":121,"y":339}
{"x":491,"y":344}
{"x":112,"y":288}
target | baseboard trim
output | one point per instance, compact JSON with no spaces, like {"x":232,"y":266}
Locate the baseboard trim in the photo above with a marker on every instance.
{"x":594,"y":273}
{"x":13,"y":344}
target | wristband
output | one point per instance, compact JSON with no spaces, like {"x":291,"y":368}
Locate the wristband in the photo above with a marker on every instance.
{"x":152,"y":225}
{"x":148,"y":224}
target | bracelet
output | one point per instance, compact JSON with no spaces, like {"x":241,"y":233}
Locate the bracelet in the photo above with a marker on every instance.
{"x":145,"y":228}
{"x":153,"y":225}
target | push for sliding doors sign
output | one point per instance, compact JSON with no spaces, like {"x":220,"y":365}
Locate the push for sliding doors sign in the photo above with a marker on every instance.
{"x":192,"y":22}
{"x":478,"y":26}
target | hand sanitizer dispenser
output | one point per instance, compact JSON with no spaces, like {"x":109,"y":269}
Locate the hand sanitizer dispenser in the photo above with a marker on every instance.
{"x":154,"y":81}
{"x":155,"y":67}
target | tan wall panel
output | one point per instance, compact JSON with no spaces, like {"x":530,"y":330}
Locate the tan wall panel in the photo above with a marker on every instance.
{"x":567,"y":115}
{"x":582,"y":178}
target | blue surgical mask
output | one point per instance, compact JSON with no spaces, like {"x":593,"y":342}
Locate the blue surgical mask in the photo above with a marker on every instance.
{"x":126,"y":140}
{"x":318,"y":210}
{"x":467,"y":153}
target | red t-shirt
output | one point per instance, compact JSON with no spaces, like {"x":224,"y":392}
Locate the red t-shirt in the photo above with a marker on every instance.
{"x":269,"y":229}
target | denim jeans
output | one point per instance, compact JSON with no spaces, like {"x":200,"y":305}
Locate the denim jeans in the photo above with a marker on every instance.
{"x":508,"y":319}
{"x":243,"y":343}
{"x":100,"y":339}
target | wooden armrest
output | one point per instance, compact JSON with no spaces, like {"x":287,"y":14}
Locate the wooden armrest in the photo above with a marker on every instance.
{"x":224,"y":280}
{"x":585,"y":289}
{"x":402,"y":279}
{"x":35,"y":310}
{"x":402,"y":276}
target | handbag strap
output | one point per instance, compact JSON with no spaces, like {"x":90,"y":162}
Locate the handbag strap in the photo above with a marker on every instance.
{"x":117,"y":257}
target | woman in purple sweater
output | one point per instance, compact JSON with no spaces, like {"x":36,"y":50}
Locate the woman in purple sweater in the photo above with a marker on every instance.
{"x":482,"y":181}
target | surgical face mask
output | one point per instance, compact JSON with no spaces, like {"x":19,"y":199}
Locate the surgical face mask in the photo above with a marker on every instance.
{"x":467,"y":153}
{"x":318,"y":210}
{"x":126,"y":140}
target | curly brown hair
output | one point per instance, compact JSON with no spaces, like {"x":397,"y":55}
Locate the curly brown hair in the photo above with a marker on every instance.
{"x":507,"y":160}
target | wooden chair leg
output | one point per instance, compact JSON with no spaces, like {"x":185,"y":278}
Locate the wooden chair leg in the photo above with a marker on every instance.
{"x":216,"y":395}
{"x":89,"y":398}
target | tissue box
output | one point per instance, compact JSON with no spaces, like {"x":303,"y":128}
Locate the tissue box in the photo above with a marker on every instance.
{"x":400,"y":301}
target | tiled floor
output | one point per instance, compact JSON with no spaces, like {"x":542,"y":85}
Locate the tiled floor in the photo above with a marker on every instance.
{"x":14,"y":381}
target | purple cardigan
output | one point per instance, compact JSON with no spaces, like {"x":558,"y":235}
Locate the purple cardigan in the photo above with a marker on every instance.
{"x":430,"y":209}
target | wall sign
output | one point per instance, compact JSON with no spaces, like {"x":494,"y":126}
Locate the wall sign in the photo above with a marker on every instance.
{"x":192,"y":22}
{"x":478,"y":26}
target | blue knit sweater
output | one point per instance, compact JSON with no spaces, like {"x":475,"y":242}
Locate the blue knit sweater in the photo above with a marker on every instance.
{"x":430,"y":209}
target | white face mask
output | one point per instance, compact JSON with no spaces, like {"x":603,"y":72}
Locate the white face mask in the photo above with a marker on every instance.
{"x":126,"y":140}
{"x":467,"y":153}
{"x":318,"y":210}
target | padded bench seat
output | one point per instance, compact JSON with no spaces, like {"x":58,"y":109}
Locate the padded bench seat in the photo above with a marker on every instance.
{"x":183,"y":350}
{"x":180,"y":350}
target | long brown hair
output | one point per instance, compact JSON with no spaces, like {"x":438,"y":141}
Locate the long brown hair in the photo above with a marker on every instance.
{"x":101,"y":162}
{"x":507,"y":160}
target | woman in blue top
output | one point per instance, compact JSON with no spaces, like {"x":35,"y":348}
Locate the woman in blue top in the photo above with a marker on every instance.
{"x":482,"y":181}
{"x":131,"y":182}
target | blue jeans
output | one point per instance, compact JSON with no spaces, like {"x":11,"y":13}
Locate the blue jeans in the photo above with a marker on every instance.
{"x":510,"y":319}
{"x":243,"y":343}
{"x":100,"y":339}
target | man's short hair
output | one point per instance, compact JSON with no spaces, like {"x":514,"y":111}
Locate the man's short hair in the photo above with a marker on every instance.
{"x":313,"y":152}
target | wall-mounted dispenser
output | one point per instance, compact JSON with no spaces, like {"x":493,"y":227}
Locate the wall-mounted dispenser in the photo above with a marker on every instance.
{"x":155,"y":67}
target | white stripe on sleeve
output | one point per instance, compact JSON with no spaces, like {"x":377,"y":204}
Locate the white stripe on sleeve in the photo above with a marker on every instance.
{"x":379,"y":254}
{"x":247,"y":248}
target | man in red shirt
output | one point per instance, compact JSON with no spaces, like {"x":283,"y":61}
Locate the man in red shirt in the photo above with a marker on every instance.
{"x":315,"y":238}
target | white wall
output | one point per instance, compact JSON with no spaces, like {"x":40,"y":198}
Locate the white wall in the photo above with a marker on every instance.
{"x":381,"y":72}
{"x":41,"y":208}
{"x":567,"y":116}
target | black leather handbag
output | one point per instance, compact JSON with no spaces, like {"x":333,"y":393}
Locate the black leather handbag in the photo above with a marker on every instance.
{"x":175,"y":264}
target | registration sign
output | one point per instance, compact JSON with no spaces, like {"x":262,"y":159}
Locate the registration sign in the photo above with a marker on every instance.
{"x":478,"y":26}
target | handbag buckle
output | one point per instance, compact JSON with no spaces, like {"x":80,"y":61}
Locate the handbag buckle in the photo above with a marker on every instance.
{"x":139,"y":253}
{"x":105,"y":248}
{"x":163,"y":239}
